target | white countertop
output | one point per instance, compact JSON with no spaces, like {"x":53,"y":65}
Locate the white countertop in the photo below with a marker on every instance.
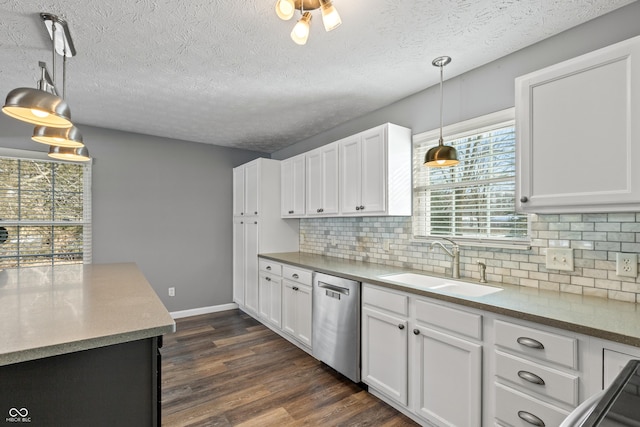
{"x":46,"y":311}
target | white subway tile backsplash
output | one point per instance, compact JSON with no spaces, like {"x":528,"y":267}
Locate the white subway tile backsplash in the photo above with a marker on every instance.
{"x":595,"y":238}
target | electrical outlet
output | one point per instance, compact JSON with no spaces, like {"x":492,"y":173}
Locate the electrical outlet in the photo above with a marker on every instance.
{"x":172,"y":291}
{"x":560,"y":259}
{"x":627,"y":265}
{"x":386,"y":244}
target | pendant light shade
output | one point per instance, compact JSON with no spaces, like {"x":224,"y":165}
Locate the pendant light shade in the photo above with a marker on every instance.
{"x":38,"y":107}
{"x":330,"y":16}
{"x":300,"y":32}
{"x":441,"y":155}
{"x":74,"y":154}
{"x":63,"y":137}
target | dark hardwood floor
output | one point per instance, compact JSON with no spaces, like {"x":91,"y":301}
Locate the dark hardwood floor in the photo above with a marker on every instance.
{"x":227,"y":369}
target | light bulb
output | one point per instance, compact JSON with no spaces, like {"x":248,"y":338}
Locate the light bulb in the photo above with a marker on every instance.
{"x":300,"y":32}
{"x":440,"y":162}
{"x":39,"y":113}
{"x":330,"y":16}
{"x":285,"y":9}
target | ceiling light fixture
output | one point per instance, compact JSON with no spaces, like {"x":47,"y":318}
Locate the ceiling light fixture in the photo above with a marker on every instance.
{"x":43,"y":106}
{"x":441,"y":155}
{"x":285,"y":9}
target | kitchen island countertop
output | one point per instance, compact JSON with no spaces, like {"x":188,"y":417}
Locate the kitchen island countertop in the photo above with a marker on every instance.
{"x":48,"y":311}
{"x":599,"y":317}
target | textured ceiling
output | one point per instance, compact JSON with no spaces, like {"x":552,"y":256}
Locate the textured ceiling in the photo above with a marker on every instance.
{"x":227,"y":73}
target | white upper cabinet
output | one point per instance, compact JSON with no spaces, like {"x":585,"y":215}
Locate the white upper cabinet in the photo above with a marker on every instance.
{"x":322,"y":181}
{"x":238,"y":191}
{"x":368,"y":173}
{"x":292,"y":186}
{"x":375,"y":172}
{"x":579,"y":135}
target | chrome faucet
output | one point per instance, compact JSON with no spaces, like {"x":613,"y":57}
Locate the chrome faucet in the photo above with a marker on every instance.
{"x":483,"y":271}
{"x":453,"y":253}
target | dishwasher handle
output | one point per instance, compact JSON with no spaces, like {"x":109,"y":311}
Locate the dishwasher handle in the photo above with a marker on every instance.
{"x":334,"y":288}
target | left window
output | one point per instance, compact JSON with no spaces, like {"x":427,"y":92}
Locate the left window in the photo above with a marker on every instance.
{"x":45,"y":210}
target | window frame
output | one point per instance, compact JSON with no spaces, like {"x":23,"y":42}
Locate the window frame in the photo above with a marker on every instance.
{"x":462,"y":130}
{"x":87,"y":220}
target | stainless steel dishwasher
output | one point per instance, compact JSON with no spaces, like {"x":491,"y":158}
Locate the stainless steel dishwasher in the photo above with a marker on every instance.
{"x":336,"y":324}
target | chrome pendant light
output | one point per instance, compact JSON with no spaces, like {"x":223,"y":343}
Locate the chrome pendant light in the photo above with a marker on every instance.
{"x":63,"y":137}
{"x":44,"y":107}
{"x":38,"y":106}
{"x":74,"y":154}
{"x":441,"y":155}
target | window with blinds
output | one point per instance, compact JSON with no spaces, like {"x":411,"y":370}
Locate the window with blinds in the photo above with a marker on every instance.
{"x":45,"y":211}
{"x":474,"y":200}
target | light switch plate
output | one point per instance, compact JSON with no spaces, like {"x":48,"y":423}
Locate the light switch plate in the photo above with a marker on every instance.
{"x":627,"y":265}
{"x":560,"y":259}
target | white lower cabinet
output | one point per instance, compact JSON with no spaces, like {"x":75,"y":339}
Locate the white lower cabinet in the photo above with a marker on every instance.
{"x":385,"y":353}
{"x":297,"y":304}
{"x":537,"y":374}
{"x":270,"y":286}
{"x":421,"y":361}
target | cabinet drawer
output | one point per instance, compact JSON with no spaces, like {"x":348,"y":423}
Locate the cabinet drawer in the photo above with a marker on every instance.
{"x":389,"y":301}
{"x":296,"y":274}
{"x":537,"y":378}
{"x":270,"y":267}
{"x":451,"y":319}
{"x":514,"y":408}
{"x":536,"y":343}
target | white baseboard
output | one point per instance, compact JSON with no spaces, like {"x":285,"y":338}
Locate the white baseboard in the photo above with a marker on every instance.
{"x":203,"y":310}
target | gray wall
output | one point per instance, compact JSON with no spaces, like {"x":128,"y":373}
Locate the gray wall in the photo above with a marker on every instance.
{"x":161,"y":203}
{"x":488,"y":88}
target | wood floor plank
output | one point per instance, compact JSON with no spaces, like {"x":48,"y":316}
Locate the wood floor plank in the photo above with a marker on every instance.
{"x":227,"y":369}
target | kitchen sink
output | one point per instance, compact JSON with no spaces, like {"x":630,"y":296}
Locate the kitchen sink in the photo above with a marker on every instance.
{"x":422,"y":281}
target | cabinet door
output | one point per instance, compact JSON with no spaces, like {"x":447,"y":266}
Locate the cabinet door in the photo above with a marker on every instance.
{"x":314,"y":182}
{"x":330,"y":179}
{"x":270,"y":298}
{"x":289,"y":307}
{"x":293,"y":186}
{"x":251,"y":265}
{"x":238,"y":261}
{"x":578,"y":133}
{"x":251,"y":185}
{"x":238,"y":191}
{"x":374,"y":171}
{"x":448,"y":376}
{"x":303,"y":314}
{"x":385,"y":354}
{"x":350,"y":175}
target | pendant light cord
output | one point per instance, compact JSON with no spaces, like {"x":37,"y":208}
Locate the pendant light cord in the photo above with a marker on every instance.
{"x":440,"y":142}
{"x":53,"y":50}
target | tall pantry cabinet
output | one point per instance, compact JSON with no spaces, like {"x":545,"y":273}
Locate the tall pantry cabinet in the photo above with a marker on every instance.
{"x":257,"y":226}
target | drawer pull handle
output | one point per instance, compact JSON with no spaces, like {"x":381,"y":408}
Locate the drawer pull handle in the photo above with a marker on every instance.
{"x":530,"y":377}
{"x":268,"y":267}
{"x":295,"y":276}
{"x":357,"y":208}
{"x":295,"y":288}
{"x":530,"y":342}
{"x":361,"y":207}
{"x":268,"y":279}
{"x":400,"y":326}
{"x":416,"y":332}
{"x":530,"y":418}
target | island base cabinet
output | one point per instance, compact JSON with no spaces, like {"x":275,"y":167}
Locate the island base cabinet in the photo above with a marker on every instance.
{"x":108,"y":386}
{"x":448,"y":376}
